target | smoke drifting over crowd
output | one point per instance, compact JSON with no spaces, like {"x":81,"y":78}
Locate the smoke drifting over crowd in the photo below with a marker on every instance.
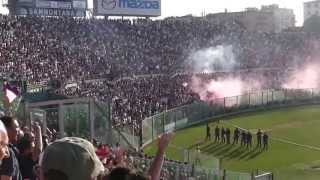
{"x":212,"y":59}
{"x":215,"y":89}
{"x":222,"y":58}
{"x":306,"y":77}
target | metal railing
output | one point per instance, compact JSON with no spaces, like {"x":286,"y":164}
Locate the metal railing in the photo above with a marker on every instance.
{"x":199,"y":112}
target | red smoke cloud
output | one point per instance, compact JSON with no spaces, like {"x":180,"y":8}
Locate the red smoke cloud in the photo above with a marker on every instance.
{"x":216,"y":89}
{"x":305,"y":78}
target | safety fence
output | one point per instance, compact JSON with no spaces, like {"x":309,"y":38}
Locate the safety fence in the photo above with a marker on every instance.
{"x":174,"y":170}
{"x":198,"y":112}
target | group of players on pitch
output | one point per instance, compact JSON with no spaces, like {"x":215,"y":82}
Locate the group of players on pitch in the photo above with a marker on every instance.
{"x":223,"y":135}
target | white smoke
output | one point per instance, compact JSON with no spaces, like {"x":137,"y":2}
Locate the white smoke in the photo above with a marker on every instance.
{"x":213,"y":59}
{"x":217,"y":59}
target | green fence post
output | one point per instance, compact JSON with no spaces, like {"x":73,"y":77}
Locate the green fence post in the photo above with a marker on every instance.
{"x":285,"y":95}
{"x":163,"y":122}
{"x":152,"y":132}
{"x":224,"y":104}
{"x":175,"y":120}
{"x":237,"y":101}
{"x":267,"y":96}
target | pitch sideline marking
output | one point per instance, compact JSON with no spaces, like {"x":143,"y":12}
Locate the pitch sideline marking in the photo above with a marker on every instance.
{"x":281,"y":140}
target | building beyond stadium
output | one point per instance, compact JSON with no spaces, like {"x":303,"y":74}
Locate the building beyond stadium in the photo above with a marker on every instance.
{"x":268,"y":19}
{"x":311,"y":8}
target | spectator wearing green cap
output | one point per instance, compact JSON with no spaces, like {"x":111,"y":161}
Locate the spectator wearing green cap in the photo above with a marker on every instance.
{"x":70,"y":158}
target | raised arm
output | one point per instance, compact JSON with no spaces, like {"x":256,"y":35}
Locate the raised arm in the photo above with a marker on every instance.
{"x":38,"y":142}
{"x":155,"y":168}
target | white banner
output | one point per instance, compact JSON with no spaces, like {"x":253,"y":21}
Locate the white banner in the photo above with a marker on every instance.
{"x":24,"y":1}
{"x":128,"y":7}
{"x":79,"y":4}
{"x":53,"y":4}
{"x":51,"y":12}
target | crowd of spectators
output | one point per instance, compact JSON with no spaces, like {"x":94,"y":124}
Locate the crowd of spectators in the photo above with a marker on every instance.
{"x":24,"y":155}
{"x":134,"y":99}
{"x":141,"y":66}
{"x":67,"y":49}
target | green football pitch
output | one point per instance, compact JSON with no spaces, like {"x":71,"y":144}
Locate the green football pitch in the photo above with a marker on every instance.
{"x":294,"y":149}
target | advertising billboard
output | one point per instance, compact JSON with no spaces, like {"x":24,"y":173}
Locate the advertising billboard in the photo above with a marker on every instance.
{"x":35,"y":11}
{"x":127,"y":7}
{"x":71,"y":8}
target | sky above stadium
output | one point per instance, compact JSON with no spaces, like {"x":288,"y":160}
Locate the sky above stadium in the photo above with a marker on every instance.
{"x":195,"y":7}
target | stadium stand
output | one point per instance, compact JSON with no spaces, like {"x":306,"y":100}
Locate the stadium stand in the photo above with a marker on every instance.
{"x":140,"y":64}
{"x":103,"y":58}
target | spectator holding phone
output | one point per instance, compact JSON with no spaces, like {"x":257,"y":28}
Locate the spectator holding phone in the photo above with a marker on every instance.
{"x":30,"y":147}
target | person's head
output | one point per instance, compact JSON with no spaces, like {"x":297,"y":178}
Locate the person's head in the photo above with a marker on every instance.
{"x":12,"y":127}
{"x":25,"y":146}
{"x":20,"y":134}
{"x":121,"y":173}
{"x":70,"y":158}
{"x":25,"y":129}
{"x":4,"y":140}
{"x":30,"y":136}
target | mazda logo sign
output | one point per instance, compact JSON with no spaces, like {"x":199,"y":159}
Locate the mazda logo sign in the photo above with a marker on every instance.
{"x":108,"y":4}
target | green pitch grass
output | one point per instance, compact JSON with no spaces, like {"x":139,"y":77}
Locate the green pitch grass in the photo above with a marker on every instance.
{"x":294,"y":150}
